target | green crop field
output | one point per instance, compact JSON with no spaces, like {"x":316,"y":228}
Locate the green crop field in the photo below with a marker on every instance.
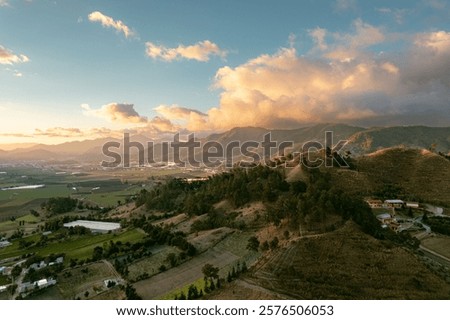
{"x":8,"y":225}
{"x":80,"y":247}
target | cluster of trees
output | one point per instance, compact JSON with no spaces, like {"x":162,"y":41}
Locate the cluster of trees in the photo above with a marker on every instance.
{"x":129,"y":251}
{"x":310,"y":205}
{"x":59,"y":205}
{"x":236,"y":271}
{"x":240,"y":186}
{"x":212,"y":281}
{"x":438,"y":224}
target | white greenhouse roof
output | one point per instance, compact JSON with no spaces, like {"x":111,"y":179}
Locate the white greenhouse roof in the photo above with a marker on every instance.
{"x":94,"y":225}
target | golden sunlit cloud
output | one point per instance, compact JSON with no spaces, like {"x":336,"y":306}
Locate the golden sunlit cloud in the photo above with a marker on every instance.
{"x":201,"y":51}
{"x":8,"y":57}
{"x":115,"y":112}
{"x":109,"y":22}
{"x":191,"y":119}
{"x":347,"y":83}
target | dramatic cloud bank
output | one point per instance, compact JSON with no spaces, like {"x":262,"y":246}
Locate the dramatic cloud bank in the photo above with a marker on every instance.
{"x":109,"y":22}
{"x":340,"y":80}
{"x":201,"y":51}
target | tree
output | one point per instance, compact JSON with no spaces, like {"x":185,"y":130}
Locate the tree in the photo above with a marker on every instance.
{"x":131,"y":293}
{"x":274,"y":243}
{"x":16,"y":271}
{"x":265,"y":246}
{"x":97,"y":254}
{"x":210,"y":272}
{"x":253,"y":244}
{"x":172,"y":259}
{"x":192,"y":292}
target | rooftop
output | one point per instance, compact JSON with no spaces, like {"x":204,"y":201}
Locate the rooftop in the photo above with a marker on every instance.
{"x":94,"y":225}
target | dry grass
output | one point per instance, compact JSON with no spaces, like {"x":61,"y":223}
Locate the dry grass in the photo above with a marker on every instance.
{"x":345,"y":264}
{"x":204,"y":240}
{"x":75,"y":285}
{"x":439,"y":244}
{"x":151,"y":264}
{"x":420,"y":174}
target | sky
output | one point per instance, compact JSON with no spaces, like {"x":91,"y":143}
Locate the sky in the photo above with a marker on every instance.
{"x":74,"y":70}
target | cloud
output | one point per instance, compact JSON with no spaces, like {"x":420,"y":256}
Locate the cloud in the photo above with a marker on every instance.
{"x":109,"y":22}
{"x":286,"y":90}
{"x":318,"y":36}
{"x":438,"y":41}
{"x":177,"y":112}
{"x":397,"y":14}
{"x":16,"y":135}
{"x":161,"y":125}
{"x":435,"y":4}
{"x":60,"y":132}
{"x":115,"y":112}
{"x":344,"y":5}
{"x":8,"y":57}
{"x":4,"y":3}
{"x":348,"y":46}
{"x":201,"y":51}
{"x":190,"y":118}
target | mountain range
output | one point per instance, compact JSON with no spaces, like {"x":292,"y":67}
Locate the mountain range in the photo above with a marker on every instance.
{"x":360,"y":141}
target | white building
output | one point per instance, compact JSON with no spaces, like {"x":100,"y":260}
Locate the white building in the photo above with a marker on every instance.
{"x":394,"y":203}
{"x":94,"y":226}
{"x":414,"y":205}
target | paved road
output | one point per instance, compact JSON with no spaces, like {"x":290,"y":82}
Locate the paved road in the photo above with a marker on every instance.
{"x":435,"y":256}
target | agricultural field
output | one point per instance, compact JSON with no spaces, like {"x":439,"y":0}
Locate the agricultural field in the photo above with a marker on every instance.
{"x":185,"y":274}
{"x":150,"y":265}
{"x":95,"y":187}
{"x":76,"y":247}
{"x":90,"y":278}
{"x":439,"y":244}
{"x":226,"y":249}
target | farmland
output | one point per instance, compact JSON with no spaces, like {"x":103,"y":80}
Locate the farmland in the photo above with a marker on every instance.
{"x":76,"y":247}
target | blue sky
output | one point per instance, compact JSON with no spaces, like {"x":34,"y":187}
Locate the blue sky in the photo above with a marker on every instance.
{"x":68,"y":68}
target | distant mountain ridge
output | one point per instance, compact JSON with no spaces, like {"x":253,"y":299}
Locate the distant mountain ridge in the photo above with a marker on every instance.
{"x":360,"y":141}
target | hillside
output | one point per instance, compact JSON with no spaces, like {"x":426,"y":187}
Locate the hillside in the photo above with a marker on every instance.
{"x":410,"y":174}
{"x":344,"y":264}
{"x":420,"y":137}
